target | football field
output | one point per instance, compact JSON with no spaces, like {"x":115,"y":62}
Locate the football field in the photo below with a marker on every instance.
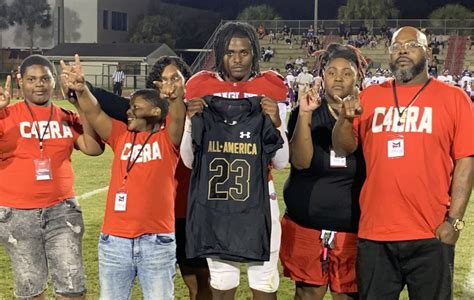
{"x":91,"y":179}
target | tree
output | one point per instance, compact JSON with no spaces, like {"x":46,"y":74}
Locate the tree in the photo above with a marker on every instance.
{"x":155,"y":29}
{"x":368,"y":10}
{"x":258,"y":12}
{"x":455,"y":13}
{"x":452,"y":12}
{"x":3,"y":15}
{"x":31,"y":13}
{"x":189,"y":27}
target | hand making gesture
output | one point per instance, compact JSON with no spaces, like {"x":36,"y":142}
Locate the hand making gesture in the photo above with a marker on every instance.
{"x":310,"y":100}
{"x":351,"y":107}
{"x":72,"y":76}
{"x":5,"y":93}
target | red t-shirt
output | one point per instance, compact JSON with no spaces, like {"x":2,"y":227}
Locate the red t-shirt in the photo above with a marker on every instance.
{"x":407,"y":198}
{"x":19,"y":147}
{"x":150,"y":187}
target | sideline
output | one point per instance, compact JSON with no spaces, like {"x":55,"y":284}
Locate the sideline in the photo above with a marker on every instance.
{"x":468,"y":287}
{"x":92,"y":193}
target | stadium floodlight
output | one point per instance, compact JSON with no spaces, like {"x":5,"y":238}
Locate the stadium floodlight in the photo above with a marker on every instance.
{"x":315,"y":16}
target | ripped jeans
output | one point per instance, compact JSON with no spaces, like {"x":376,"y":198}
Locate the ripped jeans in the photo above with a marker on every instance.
{"x":42,"y":240}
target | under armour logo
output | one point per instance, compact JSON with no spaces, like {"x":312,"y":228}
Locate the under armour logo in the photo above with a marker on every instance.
{"x":230,"y":123}
{"x":245,"y":134}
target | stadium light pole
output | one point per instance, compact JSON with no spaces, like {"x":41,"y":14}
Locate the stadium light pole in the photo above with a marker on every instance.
{"x":315,"y":16}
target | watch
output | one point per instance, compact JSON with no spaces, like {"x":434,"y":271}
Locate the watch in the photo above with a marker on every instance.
{"x":458,"y":224}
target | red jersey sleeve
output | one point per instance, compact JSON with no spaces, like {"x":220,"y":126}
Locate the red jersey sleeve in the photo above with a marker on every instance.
{"x":274,"y":85}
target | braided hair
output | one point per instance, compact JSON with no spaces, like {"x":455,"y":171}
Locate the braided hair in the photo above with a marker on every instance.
{"x":236,"y":30}
{"x":348,"y":52}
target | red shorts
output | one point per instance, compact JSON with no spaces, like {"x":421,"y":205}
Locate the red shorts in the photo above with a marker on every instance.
{"x":301,"y":255}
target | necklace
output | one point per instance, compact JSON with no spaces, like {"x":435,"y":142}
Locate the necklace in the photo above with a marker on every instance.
{"x":333,"y":112}
{"x":402,"y":114}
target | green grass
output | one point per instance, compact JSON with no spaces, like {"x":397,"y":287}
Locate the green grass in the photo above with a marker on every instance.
{"x":93,"y":172}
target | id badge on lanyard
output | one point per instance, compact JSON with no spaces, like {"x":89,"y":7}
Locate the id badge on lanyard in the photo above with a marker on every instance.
{"x":121,"y":197}
{"x":120,"y":201}
{"x":337,"y":161}
{"x":43,"y":169}
{"x":396,"y":147}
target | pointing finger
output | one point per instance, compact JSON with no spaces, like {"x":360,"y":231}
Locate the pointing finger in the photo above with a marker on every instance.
{"x":63,"y":64}
{"x":77,"y":60}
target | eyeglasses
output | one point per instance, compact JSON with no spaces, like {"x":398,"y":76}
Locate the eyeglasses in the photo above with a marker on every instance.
{"x":410,"y":46}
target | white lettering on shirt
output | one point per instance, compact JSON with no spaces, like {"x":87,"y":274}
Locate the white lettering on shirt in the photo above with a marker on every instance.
{"x":150,"y":152}
{"x":234,"y":95}
{"x":55,"y":130}
{"x":418,"y":119}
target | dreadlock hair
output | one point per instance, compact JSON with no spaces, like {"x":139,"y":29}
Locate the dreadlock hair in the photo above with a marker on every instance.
{"x":347,"y":52}
{"x":36,"y":59}
{"x":152,"y":96}
{"x":236,"y":30}
{"x":161,"y":64}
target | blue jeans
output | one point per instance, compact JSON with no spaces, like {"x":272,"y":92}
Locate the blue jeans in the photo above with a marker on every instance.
{"x":150,"y":257}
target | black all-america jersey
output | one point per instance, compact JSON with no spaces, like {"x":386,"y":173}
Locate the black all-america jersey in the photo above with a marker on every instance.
{"x":228,"y":214}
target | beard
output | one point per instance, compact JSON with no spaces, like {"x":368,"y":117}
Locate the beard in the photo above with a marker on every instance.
{"x":405,"y":75}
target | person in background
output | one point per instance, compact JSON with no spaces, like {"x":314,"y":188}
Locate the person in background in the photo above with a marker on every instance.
{"x":118,"y":77}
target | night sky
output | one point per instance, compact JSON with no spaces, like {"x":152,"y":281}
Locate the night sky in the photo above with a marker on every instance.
{"x":303,"y":9}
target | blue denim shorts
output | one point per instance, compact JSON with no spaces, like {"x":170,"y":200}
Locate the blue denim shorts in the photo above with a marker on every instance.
{"x":150,"y":257}
{"x":42,"y":241}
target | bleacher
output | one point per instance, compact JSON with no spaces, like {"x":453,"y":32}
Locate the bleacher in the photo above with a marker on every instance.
{"x":378,"y":55}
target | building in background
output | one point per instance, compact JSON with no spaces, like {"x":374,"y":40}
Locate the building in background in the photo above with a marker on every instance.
{"x":81,"y":21}
{"x":99,"y":61}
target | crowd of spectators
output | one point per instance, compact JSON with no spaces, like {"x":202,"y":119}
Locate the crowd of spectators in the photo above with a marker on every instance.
{"x":312,"y":41}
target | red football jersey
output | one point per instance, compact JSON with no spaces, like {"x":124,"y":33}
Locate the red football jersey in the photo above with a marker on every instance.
{"x":205,"y":83}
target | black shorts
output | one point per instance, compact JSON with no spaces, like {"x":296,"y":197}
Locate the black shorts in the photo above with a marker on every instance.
{"x":181,"y":259}
{"x":425,"y":266}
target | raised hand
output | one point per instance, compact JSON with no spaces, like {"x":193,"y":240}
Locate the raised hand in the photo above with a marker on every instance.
{"x":351,"y":107}
{"x":72,"y":76}
{"x":5,"y":93}
{"x":270,"y":108}
{"x":310,"y":100}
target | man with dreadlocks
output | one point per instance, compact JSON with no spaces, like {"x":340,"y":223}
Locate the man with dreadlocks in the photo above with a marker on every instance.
{"x":416,"y":135}
{"x":237,"y":75}
{"x":319,"y":229}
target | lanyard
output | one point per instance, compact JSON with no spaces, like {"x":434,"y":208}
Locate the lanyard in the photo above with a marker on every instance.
{"x":40,"y":136}
{"x":412,"y":101}
{"x":131,"y":163}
